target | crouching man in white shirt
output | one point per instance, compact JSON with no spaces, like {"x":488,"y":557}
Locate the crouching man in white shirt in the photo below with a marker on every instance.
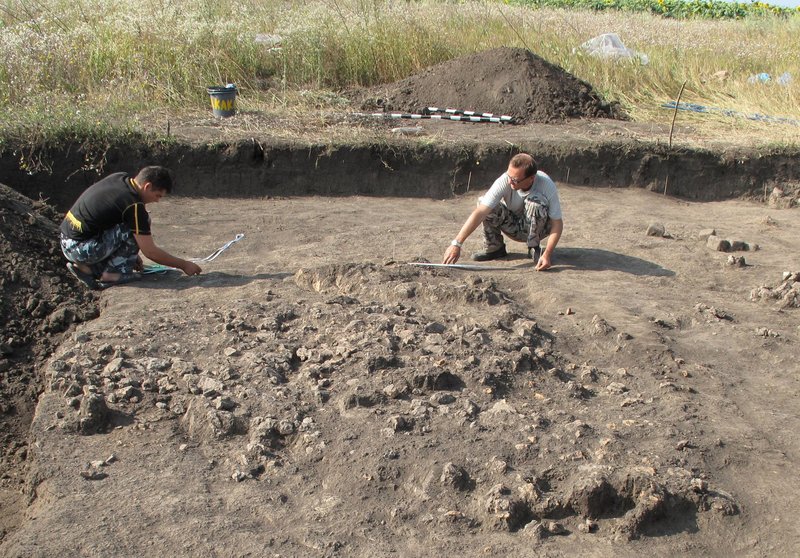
{"x":522,"y":203}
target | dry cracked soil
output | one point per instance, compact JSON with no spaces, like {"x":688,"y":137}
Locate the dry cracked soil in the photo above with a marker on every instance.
{"x":313,"y":393}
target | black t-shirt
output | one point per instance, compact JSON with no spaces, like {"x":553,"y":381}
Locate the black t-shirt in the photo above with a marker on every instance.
{"x":111,"y":201}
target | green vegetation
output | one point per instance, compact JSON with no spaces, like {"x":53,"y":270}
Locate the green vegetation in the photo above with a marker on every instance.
{"x":124,"y":64}
{"x":679,"y":9}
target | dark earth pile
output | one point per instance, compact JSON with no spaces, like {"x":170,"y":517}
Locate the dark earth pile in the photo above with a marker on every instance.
{"x":509,"y":81}
{"x":39,"y":300}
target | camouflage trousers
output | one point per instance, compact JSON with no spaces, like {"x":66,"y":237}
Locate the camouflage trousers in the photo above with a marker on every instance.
{"x":114,"y":251}
{"x":530,"y":227}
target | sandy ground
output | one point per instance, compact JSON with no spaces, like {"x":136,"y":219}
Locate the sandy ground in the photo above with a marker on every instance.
{"x":646,"y":360}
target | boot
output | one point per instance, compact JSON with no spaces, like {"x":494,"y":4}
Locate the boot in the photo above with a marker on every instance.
{"x":486,"y":256}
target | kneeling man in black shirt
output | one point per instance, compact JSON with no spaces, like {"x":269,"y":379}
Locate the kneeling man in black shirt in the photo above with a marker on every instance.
{"x":104,"y":230}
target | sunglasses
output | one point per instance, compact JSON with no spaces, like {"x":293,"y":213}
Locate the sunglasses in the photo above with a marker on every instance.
{"x":516,"y":181}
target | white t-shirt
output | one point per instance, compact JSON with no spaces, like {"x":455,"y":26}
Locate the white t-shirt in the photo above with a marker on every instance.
{"x":543,"y":192}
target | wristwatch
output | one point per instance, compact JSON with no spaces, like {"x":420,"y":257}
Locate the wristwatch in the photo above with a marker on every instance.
{"x":455,"y":242}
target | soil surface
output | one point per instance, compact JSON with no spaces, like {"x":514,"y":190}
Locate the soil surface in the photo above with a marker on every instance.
{"x":39,"y":301}
{"x":314,"y":394}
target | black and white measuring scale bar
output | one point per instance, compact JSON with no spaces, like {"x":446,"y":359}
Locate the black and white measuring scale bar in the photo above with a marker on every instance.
{"x":456,"y":117}
{"x":502,"y":117}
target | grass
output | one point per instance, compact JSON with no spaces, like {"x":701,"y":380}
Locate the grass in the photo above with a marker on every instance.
{"x":117,"y":65}
{"x":678,"y":9}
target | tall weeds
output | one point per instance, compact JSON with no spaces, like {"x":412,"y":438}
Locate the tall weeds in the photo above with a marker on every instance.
{"x":113,"y":57}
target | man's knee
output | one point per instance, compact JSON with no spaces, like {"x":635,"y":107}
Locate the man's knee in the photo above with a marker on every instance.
{"x":496,"y":216}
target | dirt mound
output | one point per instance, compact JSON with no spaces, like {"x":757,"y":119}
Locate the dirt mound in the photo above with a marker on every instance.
{"x":359,"y":280}
{"x":509,"y":81}
{"x":39,"y":300}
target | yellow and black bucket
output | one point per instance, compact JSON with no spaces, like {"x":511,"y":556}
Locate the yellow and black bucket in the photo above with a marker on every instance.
{"x":223,"y":100}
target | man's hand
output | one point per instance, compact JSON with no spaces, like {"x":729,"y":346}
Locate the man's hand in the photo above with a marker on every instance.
{"x":543,"y":263}
{"x":153,"y":252}
{"x":191,"y":268}
{"x":475,"y":218}
{"x":556,"y":228}
{"x":451,"y":255}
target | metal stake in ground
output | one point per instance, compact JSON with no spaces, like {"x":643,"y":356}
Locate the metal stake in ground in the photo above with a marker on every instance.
{"x":671,"y":128}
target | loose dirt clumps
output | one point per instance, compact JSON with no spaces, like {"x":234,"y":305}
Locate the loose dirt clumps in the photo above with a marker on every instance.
{"x":39,"y":300}
{"x":404,"y":393}
{"x":507,"y":81}
{"x":312,"y":394}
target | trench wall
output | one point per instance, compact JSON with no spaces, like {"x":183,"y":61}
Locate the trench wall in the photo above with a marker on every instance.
{"x":250,"y":169}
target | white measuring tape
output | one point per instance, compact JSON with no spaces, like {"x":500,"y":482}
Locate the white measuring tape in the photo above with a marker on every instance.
{"x":158,"y":268}
{"x":471,"y":267}
{"x":213,"y":256}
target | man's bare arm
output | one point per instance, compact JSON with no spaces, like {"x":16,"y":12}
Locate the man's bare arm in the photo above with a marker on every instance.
{"x":475,"y":218}
{"x":556,"y":228}
{"x":153,"y":252}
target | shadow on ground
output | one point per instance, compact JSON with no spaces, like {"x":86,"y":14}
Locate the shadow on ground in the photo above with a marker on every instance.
{"x":215,"y":279}
{"x":592,"y":259}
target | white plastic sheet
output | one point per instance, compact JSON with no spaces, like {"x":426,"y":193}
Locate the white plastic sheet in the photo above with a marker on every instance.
{"x":609,"y":45}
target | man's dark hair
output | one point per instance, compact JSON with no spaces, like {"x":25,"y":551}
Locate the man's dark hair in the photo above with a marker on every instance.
{"x":525,"y":162}
{"x":159,"y":177}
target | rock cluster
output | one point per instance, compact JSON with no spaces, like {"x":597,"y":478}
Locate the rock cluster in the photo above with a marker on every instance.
{"x":462,"y":410}
{"x":784,"y":197}
{"x":786,"y":293}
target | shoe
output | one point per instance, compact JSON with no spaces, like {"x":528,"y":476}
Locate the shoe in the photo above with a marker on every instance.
{"x":85,"y":278}
{"x":123,"y":278}
{"x":534,"y":253}
{"x":486,"y":256}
